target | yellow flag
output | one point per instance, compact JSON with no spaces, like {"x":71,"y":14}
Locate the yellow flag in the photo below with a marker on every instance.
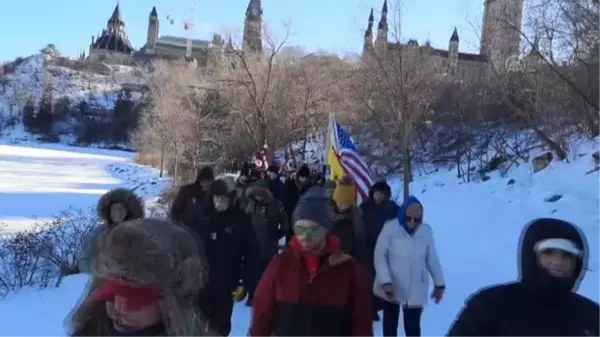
{"x":334,"y":164}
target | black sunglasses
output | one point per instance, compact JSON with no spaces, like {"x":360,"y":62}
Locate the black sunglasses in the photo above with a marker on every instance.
{"x":412,"y":219}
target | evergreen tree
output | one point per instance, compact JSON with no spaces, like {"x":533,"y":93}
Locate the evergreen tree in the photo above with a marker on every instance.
{"x":124,"y":116}
{"x":62,"y":109}
{"x":28,"y":116}
{"x":44,"y":116}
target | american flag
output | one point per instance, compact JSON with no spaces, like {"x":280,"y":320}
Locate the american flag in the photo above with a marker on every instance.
{"x":352,"y":163}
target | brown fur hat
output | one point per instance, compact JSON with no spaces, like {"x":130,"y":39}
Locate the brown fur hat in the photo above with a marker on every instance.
{"x":134,"y":205}
{"x":148,"y":252}
{"x":151,"y":252}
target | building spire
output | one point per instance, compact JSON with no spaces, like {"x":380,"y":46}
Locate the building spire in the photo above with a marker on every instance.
{"x":254,"y":10}
{"x":116,"y":18}
{"x":153,"y":12}
{"x":369,"y":31}
{"x":383,"y":20}
{"x":454,"y":36}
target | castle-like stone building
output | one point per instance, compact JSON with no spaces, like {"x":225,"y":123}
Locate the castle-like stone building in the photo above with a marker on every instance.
{"x":500,"y":40}
{"x":112,"y":46}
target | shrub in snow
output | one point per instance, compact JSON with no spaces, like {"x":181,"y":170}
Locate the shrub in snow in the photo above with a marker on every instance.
{"x":46,"y":253}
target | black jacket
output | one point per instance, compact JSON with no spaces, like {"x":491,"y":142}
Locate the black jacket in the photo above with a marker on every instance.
{"x":538,"y":304}
{"x":189,"y":205}
{"x":292,"y":191}
{"x":228,"y":242}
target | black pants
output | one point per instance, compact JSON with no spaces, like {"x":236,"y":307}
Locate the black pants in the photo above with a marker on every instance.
{"x":258,"y":271}
{"x":411,"y":317}
{"x":217,"y":312}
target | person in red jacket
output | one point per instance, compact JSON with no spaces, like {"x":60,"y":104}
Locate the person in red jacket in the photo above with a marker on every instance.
{"x":312,"y":288}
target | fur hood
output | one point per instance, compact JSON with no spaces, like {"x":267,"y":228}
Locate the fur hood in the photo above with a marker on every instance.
{"x":134,"y":205}
{"x":261,"y":190}
{"x":147,"y":252}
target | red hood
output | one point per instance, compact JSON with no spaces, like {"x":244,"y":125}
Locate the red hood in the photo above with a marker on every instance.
{"x":312,"y":262}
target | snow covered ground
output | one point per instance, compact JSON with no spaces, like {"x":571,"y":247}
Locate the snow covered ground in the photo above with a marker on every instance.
{"x":31,"y":76}
{"x":476,"y":225}
{"x":40,"y":180}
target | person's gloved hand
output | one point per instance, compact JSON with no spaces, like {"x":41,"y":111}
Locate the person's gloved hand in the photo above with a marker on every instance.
{"x":239,"y":293}
{"x":388,"y":290}
{"x":438,"y":294}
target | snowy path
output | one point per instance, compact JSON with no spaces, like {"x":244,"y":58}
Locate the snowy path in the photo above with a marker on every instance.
{"x":476,"y":226}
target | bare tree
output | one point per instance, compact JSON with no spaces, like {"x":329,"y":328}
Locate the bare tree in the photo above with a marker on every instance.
{"x":312,"y":89}
{"x":247,"y":81}
{"x":180,"y":122}
{"x":564,"y":36}
{"x":394,"y":90}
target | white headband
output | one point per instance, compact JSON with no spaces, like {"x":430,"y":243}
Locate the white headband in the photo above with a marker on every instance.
{"x":560,"y":244}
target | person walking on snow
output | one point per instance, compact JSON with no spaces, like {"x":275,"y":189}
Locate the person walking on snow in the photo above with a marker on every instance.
{"x":270,"y":224}
{"x":312,"y":288}
{"x":405,"y":254}
{"x":114,"y":206}
{"x":146,"y":277}
{"x":191,"y":202}
{"x":293,"y":188}
{"x":274,"y":182}
{"x":228,"y":239}
{"x":347,"y":223}
{"x":376,"y":210}
{"x":543,"y":302}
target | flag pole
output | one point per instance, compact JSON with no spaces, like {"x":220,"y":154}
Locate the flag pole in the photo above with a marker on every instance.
{"x":327,"y":146}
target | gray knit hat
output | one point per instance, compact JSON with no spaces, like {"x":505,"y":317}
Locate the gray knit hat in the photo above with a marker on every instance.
{"x":314,"y":206}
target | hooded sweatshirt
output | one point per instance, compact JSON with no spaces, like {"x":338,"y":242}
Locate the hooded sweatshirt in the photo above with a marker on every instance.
{"x":538,"y":304}
{"x":375,"y":215}
{"x":401,"y":216}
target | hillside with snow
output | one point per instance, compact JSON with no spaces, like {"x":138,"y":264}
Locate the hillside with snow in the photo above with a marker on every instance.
{"x":27,"y":78}
{"x":476,"y":225}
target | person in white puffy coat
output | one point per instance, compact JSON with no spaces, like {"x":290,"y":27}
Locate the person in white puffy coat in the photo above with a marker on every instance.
{"x":405,"y":257}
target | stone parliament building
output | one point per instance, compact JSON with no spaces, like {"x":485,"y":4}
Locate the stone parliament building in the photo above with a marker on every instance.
{"x":112,"y":45}
{"x":499,"y":42}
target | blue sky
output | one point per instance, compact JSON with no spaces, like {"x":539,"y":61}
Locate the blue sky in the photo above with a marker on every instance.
{"x":333,"y":25}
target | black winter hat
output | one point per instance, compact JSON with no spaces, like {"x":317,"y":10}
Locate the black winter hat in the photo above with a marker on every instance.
{"x":273,"y":168}
{"x":314,"y":206}
{"x":304,"y":171}
{"x":219,"y":187}
{"x":245,"y":169}
{"x":381,"y":186}
{"x":206,"y":173}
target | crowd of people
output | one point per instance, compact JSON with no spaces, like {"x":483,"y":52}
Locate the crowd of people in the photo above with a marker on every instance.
{"x":309,"y":261}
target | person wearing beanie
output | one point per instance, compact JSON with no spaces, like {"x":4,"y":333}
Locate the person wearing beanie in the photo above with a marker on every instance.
{"x":405,"y":255}
{"x":335,"y":298}
{"x":376,"y":210}
{"x":274,"y":182}
{"x":114,"y":206}
{"x":228,"y":241}
{"x":144,"y":282}
{"x":293,"y":188}
{"x":553,"y":258}
{"x":241,"y":184}
{"x":190,"y":203}
{"x":270,"y":224}
{"x":347,"y":219}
